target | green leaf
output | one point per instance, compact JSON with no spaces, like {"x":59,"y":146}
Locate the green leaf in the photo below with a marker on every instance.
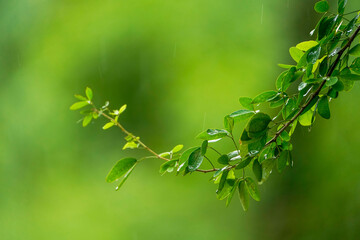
{"x":226,"y":190}
{"x":257,"y":170}
{"x":212,"y":134}
{"x":252,"y":188}
{"x":125,"y":178}
{"x":286,"y":66}
{"x":341,"y":6}
{"x":229,"y":123}
{"x":355,"y":51}
{"x":241,"y":115}
{"x":282,"y":160}
{"x":331,"y":81}
{"x":204,"y":146}
{"x":122,"y":109}
{"x":321,"y":7}
{"x":355,"y":66}
{"x":258,"y":125}
{"x":89,"y":93}
{"x":223,"y":159}
{"x":246,"y":103}
{"x":82,"y":98}
{"x":350,"y":77}
{"x":233,"y":190}
{"x":323,"y":107}
{"x":243,"y":194}
{"x":296,"y":53}
{"x":304,"y":46}
{"x":168,"y":166}
{"x":79,"y":105}
{"x":177,"y":148}
{"x":195,"y":160}
{"x":264,"y":97}
{"x":87,"y":119}
{"x":267,"y":167}
{"x":130,"y":145}
{"x":108,"y":125}
{"x":244,"y":163}
{"x":285,"y":136}
{"x":306,"y":118}
{"x":313,"y":54}
{"x":120,"y":168}
{"x":185,"y":155}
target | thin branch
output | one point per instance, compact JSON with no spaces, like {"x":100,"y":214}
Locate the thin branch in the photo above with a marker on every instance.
{"x":143,"y":144}
{"x":316,"y":93}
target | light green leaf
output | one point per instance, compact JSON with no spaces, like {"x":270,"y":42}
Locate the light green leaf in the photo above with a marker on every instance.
{"x":168,"y":166}
{"x":305,"y":119}
{"x":296,"y":53}
{"x":87,"y":119}
{"x":246,"y":103}
{"x":82,"y":98}
{"x":79,"y":105}
{"x":89,"y":93}
{"x":304,"y":46}
{"x":122,"y":109}
{"x":331,"y":81}
{"x":120,"y":168}
{"x":177,"y":148}
{"x":108,"y":125}
{"x":130,"y":145}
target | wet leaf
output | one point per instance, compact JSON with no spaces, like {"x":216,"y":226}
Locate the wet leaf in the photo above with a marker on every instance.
{"x":313,"y":54}
{"x":168,"y":166}
{"x":204,"y":146}
{"x":212,"y":134}
{"x":257,"y":170}
{"x":241,"y":115}
{"x":304,"y":46}
{"x":282,"y":160}
{"x":252,"y":188}
{"x":258,"y":125}
{"x":195,"y":160}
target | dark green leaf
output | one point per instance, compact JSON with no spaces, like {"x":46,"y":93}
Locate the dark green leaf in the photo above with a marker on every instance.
{"x":252,"y":188}
{"x":321,"y":7}
{"x":195,"y":160}
{"x":185,"y":155}
{"x":223,"y":159}
{"x":277,"y":103}
{"x":120,"y":168}
{"x":267,"y":167}
{"x":243,"y":194}
{"x":312,"y":103}
{"x":212,"y":134}
{"x":204,"y":146}
{"x":258,"y":125}
{"x":244,"y":163}
{"x":341,"y":6}
{"x":323,"y":107}
{"x":313,"y":54}
{"x":246,"y":103}
{"x":265,"y":97}
{"x":285,"y":136}
{"x":282,"y":160}
{"x":226,"y":190}
{"x":350,"y":77}
{"x":257,"y":170}
{"x":233,"y":190}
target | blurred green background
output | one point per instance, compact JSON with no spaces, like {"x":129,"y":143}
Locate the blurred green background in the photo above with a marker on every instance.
{"x":180,"y":66}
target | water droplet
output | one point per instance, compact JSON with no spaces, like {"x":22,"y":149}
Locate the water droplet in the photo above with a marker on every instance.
{"x":312,"y":32}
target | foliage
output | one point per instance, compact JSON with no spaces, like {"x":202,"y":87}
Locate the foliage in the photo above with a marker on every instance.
{"x":324,"y":67}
